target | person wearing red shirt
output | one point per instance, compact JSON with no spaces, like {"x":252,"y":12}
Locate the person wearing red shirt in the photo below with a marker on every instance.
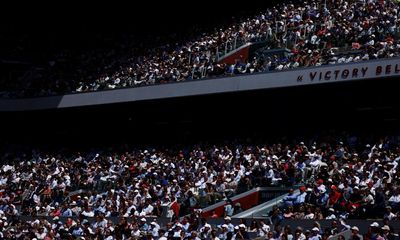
{"x":175,"y":208}
{"x":334,"y":196}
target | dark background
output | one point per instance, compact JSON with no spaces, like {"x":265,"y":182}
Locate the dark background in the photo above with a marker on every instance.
{"x":363,"y":107}
{"x":49,"y":26}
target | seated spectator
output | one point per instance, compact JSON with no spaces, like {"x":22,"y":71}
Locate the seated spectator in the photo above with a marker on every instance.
{"x":314,"y":41}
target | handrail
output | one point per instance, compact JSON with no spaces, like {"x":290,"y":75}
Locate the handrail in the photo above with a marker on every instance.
{"x":239,"y":196}
{"x":234,"y":51}
{"x":263,"y":207}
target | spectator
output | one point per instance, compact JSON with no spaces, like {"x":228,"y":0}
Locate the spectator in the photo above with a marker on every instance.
{"x":369,"y":33}
{"x":355,"y":233}
{"x":229,"y":209}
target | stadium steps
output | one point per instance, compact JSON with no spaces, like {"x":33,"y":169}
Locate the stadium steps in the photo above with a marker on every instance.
{"x":247,"y":200}
{"x":262,"y":210}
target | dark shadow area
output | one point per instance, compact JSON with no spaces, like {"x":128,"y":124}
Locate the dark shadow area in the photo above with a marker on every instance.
{"x":362,"y":108}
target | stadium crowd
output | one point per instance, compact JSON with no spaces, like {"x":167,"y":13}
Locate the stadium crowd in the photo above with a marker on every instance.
{"x":315,"y":32}
{"x":338,"y":180}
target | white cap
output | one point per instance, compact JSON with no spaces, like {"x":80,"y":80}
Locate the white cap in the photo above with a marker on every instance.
{"x":386,"y":227}
{"x":315,"y":229}
{"x":374,"y":224}
{"x":355,"y":228}
{"x":227,"y":218}
{"x":242,"y":226}
{"x":224,"y":226}
{"x":143,"y":219}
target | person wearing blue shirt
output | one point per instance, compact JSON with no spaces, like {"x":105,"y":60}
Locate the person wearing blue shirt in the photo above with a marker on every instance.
{"x":229,"y":208}
{"x":295,"y":199}
{"x":301,"y":196}
{"x":289,"y":199}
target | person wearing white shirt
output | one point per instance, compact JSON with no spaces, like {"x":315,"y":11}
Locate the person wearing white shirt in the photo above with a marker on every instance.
{"x":228,"y":209}
{"x":76,"y":210}
{"x":148,"y":209}
{"x":185,"y":225}
{"x":264,"y":229}
{"x":193,"y":235}
{"x":137,"y":197}
{"x":135,"y":231}
{"x":389,"y":214}
{"x":161,"y":233}
{"x":315,"y":234}
{"x":270,"y":174}
{"x":315,"y":162}
{"x":394,"y":200}
{"x":109,"y":238}
{"x":154,"y":229}
{"x":331,"y":214}
{"x":41,"y":234}
{"x":224,"y":232}
{"x":88,"y":212}
{"x":228,"y":223}
{"x":205,"y":231}
{"x":101,"y":222}
{"x":309,"y":215}
{"x":300,"y":236}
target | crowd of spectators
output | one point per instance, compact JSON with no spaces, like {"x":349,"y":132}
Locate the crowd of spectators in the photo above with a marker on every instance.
{"x":312,"y":30}
{"x":339,"y":180}
{"x":364,"y":186}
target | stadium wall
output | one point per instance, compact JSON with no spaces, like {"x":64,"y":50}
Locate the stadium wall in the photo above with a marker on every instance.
{"x":376,"y":70}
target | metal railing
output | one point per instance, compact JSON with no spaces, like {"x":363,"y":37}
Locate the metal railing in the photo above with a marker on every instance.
{"x":261,"y":211}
